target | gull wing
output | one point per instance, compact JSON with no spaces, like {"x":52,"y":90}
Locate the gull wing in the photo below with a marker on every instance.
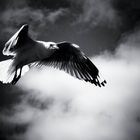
{"x":13,"y":43}
{"x":74,"y":62}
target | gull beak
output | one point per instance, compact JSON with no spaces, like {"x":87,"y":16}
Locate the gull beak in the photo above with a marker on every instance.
{"x":55,"y":47}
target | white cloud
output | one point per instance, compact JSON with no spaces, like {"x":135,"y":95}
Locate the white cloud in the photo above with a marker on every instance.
{"x":60,"y":107}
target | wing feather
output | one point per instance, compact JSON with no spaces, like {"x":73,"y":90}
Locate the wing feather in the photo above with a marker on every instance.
{"x":19,"y":37}
{"x":74,"y":62}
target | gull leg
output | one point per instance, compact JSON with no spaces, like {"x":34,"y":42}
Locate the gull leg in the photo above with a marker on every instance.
{"x":19,"y":76}
{"x":13,"y":81}
{"x":16,"y":78}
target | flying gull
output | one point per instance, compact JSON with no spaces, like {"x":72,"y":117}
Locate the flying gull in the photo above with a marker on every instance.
{"x":27,"y":52}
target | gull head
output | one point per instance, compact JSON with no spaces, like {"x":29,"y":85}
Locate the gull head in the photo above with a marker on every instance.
{"x":49,"y":45}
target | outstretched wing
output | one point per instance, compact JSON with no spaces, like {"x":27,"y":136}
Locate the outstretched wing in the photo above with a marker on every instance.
{"x":12,"y":44}
{"x":73,"y":61}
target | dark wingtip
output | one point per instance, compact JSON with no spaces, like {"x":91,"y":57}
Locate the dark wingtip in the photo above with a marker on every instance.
{"x":24,"y":30}
{"x":97,"y":83}
{"x":25,"y":26}
{"x":102,"y":84}
{"x":105,"y":81}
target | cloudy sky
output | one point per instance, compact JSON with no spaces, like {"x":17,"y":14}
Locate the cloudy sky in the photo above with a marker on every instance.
{"x":50,"y":104}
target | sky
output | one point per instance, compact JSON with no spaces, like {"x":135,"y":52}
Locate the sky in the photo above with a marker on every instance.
{"x":49,"y":104}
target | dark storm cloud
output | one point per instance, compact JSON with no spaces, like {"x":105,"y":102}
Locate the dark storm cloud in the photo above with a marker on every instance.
{"x":17,"y":13}
{"x":98,"y":13}
{"x":50,"y":4}
{"x":129,"y":11}
{"x":9,"y":97}
{"x":123,"y":15}
{"x":38,"y":19}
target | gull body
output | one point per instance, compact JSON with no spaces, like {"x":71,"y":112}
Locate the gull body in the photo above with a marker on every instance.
{"x":26,"y":51}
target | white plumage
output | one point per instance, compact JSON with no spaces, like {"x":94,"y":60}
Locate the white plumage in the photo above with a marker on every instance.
{"x":63,"y":55}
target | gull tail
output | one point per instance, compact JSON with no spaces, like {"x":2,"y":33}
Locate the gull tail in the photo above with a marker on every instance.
{"x":6,"y":75}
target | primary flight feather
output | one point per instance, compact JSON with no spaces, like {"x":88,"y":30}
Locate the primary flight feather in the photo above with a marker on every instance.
{"x":63,"y":55}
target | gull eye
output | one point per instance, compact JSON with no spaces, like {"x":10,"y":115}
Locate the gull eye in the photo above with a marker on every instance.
{"x":51,"y":46}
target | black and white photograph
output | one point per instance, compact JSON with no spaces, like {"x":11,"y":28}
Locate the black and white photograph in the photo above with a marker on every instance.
{"x":70,"y":70}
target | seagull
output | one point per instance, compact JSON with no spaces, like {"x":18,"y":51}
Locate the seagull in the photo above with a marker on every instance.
{"x":27,"y":52}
